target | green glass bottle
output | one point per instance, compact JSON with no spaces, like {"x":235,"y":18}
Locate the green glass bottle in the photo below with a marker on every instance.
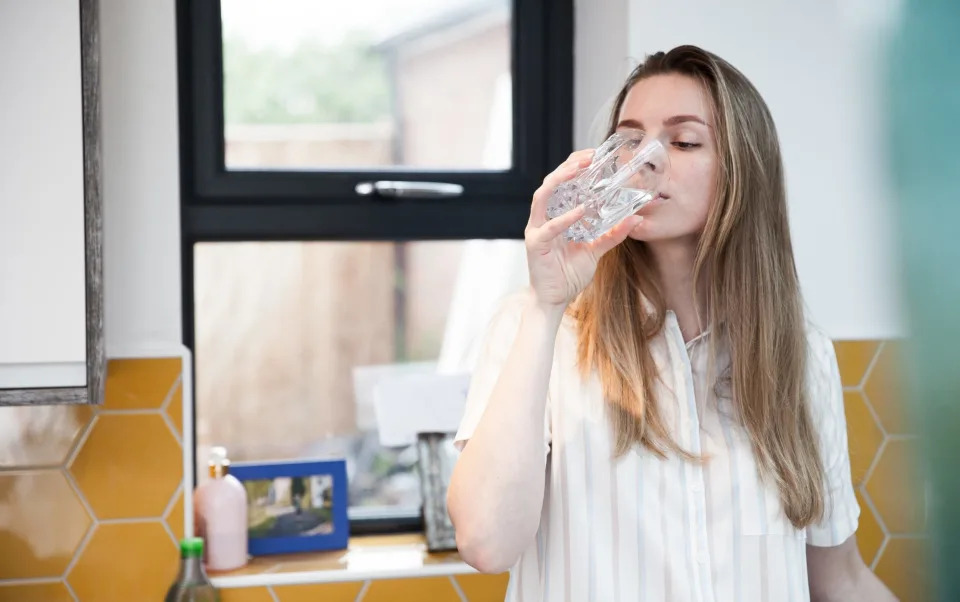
{"x":192,"y":584}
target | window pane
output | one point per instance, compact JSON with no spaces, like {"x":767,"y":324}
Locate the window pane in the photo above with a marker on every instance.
{"x":319,"y":84}
{"x":281,"y":326}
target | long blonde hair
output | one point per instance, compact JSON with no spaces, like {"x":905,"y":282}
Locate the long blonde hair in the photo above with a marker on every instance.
{"x":745,"y":266}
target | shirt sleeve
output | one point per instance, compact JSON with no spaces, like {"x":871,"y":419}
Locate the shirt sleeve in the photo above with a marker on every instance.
{"x":841,"y":511}
{"x":498,"y":340}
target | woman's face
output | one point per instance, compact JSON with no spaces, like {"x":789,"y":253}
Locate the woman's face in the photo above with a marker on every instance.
{"x":676,"y":110}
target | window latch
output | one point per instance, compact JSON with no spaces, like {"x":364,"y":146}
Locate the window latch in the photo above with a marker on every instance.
{"x":426,"y":190}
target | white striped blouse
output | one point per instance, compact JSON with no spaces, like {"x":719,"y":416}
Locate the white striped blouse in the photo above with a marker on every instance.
{"x":645,"y":529}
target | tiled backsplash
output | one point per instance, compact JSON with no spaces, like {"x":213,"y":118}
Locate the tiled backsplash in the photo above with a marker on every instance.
{"x":91,"y":500}
{"x":885,"y":467}
{"x":91,"y":497}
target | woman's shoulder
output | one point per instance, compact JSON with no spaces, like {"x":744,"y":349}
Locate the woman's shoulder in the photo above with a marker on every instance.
{"x":508,"y":313}
{"x":509,"y":309}
{"x":823,"y":373}
{"x":820,"y":347}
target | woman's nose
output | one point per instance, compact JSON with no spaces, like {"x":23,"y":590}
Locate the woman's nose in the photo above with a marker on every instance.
{"x":654,"y":158}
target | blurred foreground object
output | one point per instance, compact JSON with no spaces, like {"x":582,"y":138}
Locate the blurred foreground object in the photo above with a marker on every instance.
{"x":923,"y":95}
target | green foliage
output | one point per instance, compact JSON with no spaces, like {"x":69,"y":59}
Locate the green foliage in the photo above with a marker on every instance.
{"x":312,"y":83}
{"x":258,"y":488}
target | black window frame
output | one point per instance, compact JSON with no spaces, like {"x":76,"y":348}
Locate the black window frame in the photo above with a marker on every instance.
{"x":220,"y":205}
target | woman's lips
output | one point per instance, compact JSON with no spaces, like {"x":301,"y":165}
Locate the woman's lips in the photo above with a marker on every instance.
{"x":657,"y":200}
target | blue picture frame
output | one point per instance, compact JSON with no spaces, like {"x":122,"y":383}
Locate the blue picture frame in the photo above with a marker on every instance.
{"x":280,"y":536}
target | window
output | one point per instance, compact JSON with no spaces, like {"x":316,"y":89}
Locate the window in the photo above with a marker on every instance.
{"x":411,"y":84}
{"x":355,"y":183}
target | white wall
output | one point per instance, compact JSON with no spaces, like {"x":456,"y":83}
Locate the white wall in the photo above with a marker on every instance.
{"x":601,"y":62}
{"x":141,"y":176}
{"x":817,"y":65}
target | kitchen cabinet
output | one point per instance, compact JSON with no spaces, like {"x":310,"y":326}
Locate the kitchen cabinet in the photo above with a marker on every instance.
{"x":51,"y":293}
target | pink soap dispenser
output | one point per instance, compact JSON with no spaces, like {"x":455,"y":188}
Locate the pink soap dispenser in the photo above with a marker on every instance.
{"x":220,"y":510}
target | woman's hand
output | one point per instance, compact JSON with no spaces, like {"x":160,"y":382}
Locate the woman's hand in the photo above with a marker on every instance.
{"x":560,"y":270}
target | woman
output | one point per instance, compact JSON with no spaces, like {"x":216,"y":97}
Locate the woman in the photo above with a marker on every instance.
{"x":654,"y":419}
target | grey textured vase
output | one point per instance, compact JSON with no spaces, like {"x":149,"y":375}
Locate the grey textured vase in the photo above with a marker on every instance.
{"x":436,"y":459}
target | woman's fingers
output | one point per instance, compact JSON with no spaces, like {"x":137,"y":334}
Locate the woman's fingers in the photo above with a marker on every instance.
{"x":565,"y":171}
{"x":541,"y":198}
{"x":615,"y":236}
{"x":577,"y":157}
{"x":558,"y":225}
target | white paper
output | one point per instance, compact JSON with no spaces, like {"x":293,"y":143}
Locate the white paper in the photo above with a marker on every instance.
{"x":419,"y":403}
{"x":367,"y":378}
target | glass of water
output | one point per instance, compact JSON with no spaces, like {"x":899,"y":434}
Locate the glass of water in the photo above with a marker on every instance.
{"x":627,"y":172}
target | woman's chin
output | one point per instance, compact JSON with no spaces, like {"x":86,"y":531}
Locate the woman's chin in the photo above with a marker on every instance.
{"x":641,"y":231}
{"x":651,"y":230}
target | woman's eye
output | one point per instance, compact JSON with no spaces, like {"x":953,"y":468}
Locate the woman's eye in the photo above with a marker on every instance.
{"x":686,"y":145}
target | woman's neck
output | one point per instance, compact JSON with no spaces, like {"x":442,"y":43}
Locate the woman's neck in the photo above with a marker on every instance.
{"x":675,"y":261}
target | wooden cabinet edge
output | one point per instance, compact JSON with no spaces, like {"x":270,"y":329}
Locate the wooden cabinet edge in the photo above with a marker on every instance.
{"x":51,"y":396}
{"x":93,"y":198}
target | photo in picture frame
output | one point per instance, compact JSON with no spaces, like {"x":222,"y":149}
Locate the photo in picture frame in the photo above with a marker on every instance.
{"x":295,"y":506}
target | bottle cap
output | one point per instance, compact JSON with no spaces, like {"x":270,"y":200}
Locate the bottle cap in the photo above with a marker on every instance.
{"x":218,"y":455}
{"x":191,"y":547}
{"x":217,"y":462}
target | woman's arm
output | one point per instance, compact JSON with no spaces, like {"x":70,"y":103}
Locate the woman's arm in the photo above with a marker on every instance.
{"x":495,"y":494}
{"x":838,"y":574}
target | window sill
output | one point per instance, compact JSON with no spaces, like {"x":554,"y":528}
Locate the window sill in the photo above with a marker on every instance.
{"x":367,"y":557}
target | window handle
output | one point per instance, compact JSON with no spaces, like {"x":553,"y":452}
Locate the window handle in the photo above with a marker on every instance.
{"x":388,"y":188}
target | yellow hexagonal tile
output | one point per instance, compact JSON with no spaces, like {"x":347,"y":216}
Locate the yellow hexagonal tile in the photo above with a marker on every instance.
{"x":854,"y":358}
{"x":174,"y":409}
{"x":125,"y":561}
{"x":129,"y":467}
{"x":328,"y":592}
{"x":896,"y":489}
{"x":884,"y":390}
{"x":870,"y":535}
{"x":41,"y":524}
{"x":139,"y":383}
{"x":904,"y":567}
{"x":484,"y":588}
{"x":174,"y":517}
{"x":435,"y":589}
{"x":45,"y":592}
{"x":247,"y":594}
{"x":863,"y":434}
{"x":43,"y":435}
